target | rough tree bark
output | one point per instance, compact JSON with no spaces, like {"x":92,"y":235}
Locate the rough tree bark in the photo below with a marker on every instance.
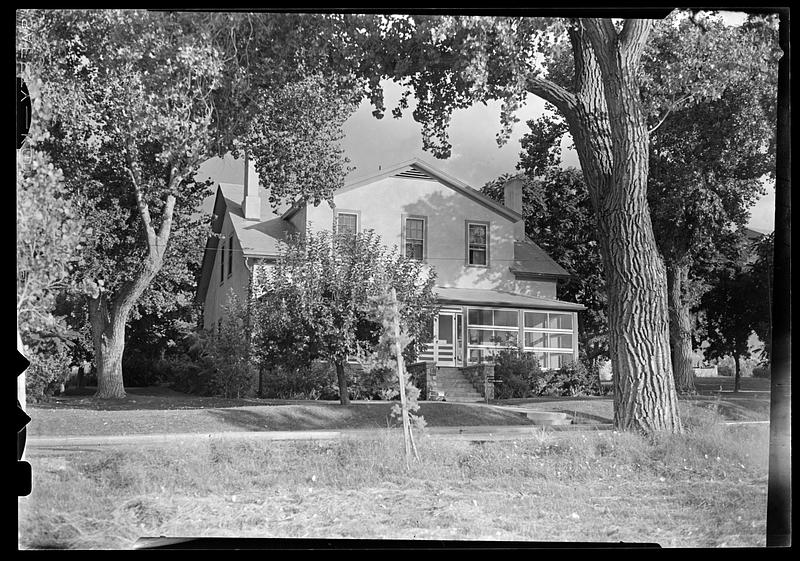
{"x":108,"y":321}
{"x":611,"y":138}
{"x":680,"y":329}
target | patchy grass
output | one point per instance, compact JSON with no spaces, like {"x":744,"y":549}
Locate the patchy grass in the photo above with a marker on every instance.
{"x":65,"y":420}
{"x":160,"y":410}
{"x":704,"y":488}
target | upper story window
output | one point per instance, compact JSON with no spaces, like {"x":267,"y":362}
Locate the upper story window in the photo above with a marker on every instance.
{"x":478,"y":243}
{"x":230,"y":255}
{"x":414,"y":237}
{"x":346,"y":222}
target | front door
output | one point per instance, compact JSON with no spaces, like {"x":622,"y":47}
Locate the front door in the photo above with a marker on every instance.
{"x":448,"y":347}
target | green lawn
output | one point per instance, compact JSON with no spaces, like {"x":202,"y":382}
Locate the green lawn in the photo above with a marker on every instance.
{"x":705,"y":488}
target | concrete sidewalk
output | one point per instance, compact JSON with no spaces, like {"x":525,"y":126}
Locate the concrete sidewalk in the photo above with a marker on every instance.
{"x":475,"y":434}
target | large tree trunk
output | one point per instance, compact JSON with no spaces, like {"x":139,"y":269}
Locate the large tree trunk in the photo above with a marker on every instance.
{"x":108,"y":321}
{"x":344,"y":398}
{"x":680,"y":329}
{"x":108,"y":334}
{"x":737,"y":373}
{"x":612,"y":142}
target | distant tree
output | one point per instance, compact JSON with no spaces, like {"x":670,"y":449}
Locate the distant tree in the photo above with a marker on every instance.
{"x":315,"y":301}
{"x":730,"y":315}
{"x":708,"y":158}
{"x":761,"y":271}
{"x":558,"y":217}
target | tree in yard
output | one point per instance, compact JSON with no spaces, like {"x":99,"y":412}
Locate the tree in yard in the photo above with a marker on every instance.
{"x":730,"y":314}
{"x":314,"y":303}
{"x":708,"y":159}
{"x":130,"y":93}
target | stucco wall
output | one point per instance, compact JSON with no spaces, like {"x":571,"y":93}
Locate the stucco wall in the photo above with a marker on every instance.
{"x":238,"y":281}
{"x":383,"y":203}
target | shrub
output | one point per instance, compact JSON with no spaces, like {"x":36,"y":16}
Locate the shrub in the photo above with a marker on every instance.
{"x":314,"y":382}
{"x":519,"y":375}
{"x":224,"y":365}
{"x":725,"y":370}
{"x":376,"y":383}
{"x":572,"y":379}
{"x":47,"y":371}
{"x":762,"y":371}
{"x":50,"y":356}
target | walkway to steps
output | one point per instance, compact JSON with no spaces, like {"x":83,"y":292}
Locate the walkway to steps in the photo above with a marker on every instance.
{"x":455,"y":386}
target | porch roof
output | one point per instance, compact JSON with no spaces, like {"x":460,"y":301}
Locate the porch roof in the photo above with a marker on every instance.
{"x":487,"y":297}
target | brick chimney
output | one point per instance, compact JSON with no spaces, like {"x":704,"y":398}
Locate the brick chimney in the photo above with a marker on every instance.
{"x":512,"y":198}
{"x":251,"y":203}
{"x":512,"y":194}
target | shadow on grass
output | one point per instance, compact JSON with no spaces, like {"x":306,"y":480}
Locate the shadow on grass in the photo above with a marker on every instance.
{"x":153,"y":398}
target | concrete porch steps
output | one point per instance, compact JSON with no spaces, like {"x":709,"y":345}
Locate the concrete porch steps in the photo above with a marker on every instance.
{"x":455,"y":386}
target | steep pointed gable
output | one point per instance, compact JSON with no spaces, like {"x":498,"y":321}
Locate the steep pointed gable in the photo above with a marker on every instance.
{"x":419,"y":169}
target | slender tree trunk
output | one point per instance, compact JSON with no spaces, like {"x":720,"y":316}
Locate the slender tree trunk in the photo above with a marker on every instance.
{"x":680,"y":329}
{"x":344,"y":399}
{"x":737,"y":374}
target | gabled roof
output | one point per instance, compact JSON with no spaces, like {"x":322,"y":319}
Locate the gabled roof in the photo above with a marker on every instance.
{"x":531,"y":261}
{"x":257,"y":238}
{"x":419,"y":169}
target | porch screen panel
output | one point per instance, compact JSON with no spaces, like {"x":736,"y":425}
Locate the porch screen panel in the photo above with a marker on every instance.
{"x":549,"y":336}
{"x":490,"y":330}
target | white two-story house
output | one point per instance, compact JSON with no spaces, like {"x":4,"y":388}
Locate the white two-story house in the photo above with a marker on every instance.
{"x":496,"y":287}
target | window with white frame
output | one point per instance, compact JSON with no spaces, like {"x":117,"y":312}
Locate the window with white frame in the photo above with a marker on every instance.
{"x":478,"y":243}
{"x":414,"y":232}
{"x":490,"y":330}
{"x":346,"y":222}
{"x":549,"y":335}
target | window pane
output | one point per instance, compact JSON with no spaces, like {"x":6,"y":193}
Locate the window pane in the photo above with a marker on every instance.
{"x":480,"y":317}
{"x":414,"y":250}
{"x":561,"y":341}
{"x":506,"y":318}
{"x":560,"y":321}
{"x":506,"y":338}
{"x":477,"y":234}
{"x":415,"y":229}
{"x":557,"y":360}
{"x":479,"y":336}
{"x":533,"y":339}
{"x":477,"y":257}
{"x":536,"y":320}
{"x":346,"y":222}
